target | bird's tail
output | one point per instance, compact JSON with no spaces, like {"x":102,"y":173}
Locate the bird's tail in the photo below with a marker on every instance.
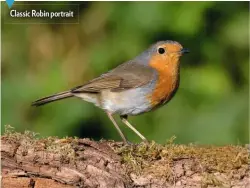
{"x":52,"y":98}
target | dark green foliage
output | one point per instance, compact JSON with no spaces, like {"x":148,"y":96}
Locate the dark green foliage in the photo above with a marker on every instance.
{"x":211,"y":106}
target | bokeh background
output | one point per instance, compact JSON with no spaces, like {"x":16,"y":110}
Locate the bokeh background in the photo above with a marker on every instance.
{"x":211,"y":106}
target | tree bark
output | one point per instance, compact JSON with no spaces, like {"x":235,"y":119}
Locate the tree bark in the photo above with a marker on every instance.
{"x":52,"y":162}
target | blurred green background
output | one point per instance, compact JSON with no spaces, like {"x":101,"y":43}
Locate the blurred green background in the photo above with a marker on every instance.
{"x":210,"y":107}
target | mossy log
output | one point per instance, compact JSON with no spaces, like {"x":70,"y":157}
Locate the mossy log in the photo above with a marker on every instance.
{"x":72,"y":162}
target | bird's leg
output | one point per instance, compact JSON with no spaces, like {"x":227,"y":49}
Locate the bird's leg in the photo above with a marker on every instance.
{"x":117,"y":127}
{"x":126,"y":122}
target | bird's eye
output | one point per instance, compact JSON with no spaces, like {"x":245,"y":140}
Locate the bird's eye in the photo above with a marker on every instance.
{"x":161,"y":50}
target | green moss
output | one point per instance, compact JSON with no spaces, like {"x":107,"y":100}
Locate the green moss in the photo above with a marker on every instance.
{"x":159,"y":159}
{"x":12,"y":136}
{"x":152,"y":158}
{"x":29,"y":139}
{"x":209,"y":179}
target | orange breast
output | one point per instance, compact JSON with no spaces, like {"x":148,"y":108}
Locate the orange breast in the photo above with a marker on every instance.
{"x":168,"y":79}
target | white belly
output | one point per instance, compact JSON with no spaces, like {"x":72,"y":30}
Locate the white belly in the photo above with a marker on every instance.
{"x":129,"y":102}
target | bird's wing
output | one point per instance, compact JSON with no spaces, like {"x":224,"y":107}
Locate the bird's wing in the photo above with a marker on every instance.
{"x":126,"y":76}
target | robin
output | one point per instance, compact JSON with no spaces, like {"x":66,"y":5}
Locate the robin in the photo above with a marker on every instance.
{"x":137,"y":86}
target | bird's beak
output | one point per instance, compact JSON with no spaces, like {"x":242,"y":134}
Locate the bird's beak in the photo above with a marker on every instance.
{"x":184,"y":51}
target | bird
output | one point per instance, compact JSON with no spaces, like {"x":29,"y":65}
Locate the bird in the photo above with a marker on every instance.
{"x":134,"y":87}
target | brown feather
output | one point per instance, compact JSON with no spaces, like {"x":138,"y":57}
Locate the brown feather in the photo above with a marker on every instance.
{"x":52,"y":98}
{"x":125,"y":76}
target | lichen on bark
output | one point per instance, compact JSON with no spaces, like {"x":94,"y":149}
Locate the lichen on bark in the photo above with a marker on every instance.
{"x":79,"y":162}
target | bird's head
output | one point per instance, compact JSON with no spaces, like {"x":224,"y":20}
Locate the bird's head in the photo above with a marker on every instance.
{"x":168,"y":49}
{"x":165,"y":54}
